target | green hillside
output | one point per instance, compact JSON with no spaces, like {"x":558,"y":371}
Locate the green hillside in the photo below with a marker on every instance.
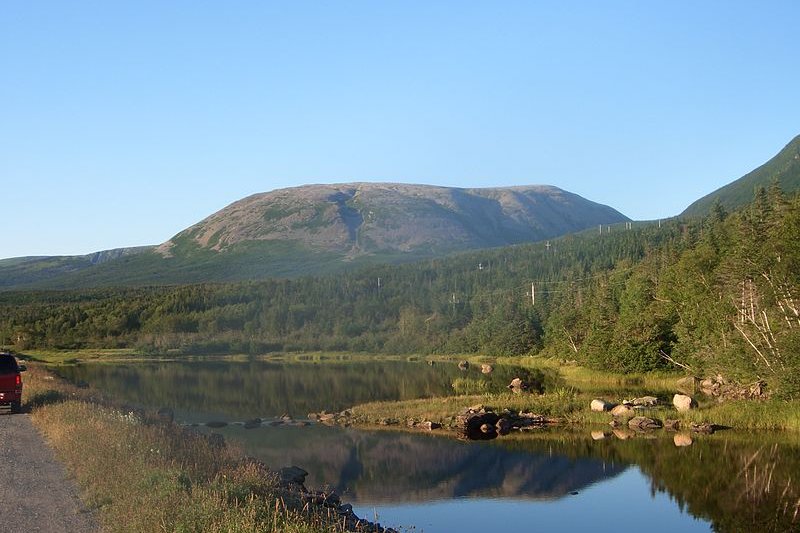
{"x":784,"y":169}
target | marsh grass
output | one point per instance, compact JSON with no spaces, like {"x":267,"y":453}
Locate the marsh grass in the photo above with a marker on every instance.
{"x":143,"y":475}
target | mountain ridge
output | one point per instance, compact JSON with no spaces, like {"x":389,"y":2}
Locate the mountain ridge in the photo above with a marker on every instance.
{"x":316,"y":229}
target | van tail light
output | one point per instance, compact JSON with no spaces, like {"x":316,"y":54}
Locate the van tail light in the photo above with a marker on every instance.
{"x":18,"y":380}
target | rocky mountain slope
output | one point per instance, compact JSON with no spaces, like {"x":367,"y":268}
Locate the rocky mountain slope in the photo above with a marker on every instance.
{"x":316,"y":229}
{"x":356,"y":219}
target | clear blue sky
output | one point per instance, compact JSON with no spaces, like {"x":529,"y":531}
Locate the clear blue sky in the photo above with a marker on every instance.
{"x":123,"y":123}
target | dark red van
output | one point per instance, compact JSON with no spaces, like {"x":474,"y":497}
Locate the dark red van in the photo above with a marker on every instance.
{"x":10,"y":382}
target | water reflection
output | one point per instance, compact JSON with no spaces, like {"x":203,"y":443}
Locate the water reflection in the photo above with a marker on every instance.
{"x":391,"y":466}
{"x":239,"y":390}
{"x":624,"y":481}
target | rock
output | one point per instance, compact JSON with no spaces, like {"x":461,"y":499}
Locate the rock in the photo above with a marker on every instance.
{"x":477,"y":408}
{"x":682,"y":439}
{"x":623,"y":411}
{"x":477,"y":426}
{"x":688,"y":384}
{"x":345,"y":509}
{"x":486,"y":369}
{"x":326,"y":417}
{"x":705,"y":427}
{"x":286,"y":418}
{"x":292,"y":475}
{"x":503,"y":426}
{"x":601,"y":405}
{"x":645,"y":401}
{"x":709,"y":385}
{"x":165,"y":414}
{"x":672,"y":425}
{"x":313,"y":416}
{"x":683,"y":402}
{"x":599,"y":435}
{"x":517,"y":385}
{"x":463,"y":365}
{"x":644,"y":423}
{"x":430,"y":426}
{"x":216,"y":424}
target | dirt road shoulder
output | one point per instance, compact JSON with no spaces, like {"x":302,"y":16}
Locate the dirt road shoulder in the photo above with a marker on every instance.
{"x":35,"y":491}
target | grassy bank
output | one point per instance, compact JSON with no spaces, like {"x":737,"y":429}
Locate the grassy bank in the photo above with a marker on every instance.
{"x":571,"y":408}
{"x":141,"y":474}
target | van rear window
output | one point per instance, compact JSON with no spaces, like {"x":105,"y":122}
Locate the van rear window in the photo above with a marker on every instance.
{"x":8,"y":365}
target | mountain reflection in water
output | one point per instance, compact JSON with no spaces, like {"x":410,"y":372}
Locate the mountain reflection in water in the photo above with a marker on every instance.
{"x":391,"y":466}
{"x":729,"y":482}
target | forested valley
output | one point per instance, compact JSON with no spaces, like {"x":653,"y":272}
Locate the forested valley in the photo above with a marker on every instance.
{"x":705,"y":295}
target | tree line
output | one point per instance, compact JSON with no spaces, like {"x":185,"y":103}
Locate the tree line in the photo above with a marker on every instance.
{"x":713,"y":294}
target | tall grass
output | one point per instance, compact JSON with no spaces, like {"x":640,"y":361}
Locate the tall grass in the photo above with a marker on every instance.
{"x":142,"y":475}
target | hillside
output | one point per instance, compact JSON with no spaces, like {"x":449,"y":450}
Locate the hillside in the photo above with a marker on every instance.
{"x":357,"y":219}
{"x":26,"y":271}
{"x":783,"y":168}
{"x":319,"y":229}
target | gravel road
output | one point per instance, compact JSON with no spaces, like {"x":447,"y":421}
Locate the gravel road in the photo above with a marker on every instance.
{"x":35,"y":492}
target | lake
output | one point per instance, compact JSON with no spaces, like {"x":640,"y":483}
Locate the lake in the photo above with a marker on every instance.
{"x":545,"y":480}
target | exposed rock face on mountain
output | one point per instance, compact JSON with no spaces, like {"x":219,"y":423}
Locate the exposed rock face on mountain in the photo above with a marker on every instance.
{"x":363,"y":218}
{"x":318,"y":229}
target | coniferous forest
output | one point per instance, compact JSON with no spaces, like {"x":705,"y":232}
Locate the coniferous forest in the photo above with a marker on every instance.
{"x":705,"y":295}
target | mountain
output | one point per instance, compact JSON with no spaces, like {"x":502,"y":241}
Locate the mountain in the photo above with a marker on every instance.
{"x":358,"y":219}
{"x":316,"y":229}
{"x":25,"y":271}
{"x":783,"y":168}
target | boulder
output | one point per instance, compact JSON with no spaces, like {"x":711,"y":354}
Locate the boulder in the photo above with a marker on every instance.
{"x":682,"y":439}
{"x":623,"y":411}
{"x":463,"y":365}
{"x":705,"y":427}
{"x":517,"y":385}
{"x":292,"y":475}
{"x":644,"y":423}
{"x":672,"y":425}
{"x":477,"y":426}
{"x":683,"y":402}
{"x":600,"y":405}
{"x":599,"y":435}
{"x":503,"y":426}
{"x":486,"y":369}
{"x":688,"y":384}
{"x":430,"y":426}
{"x":645,"y":401}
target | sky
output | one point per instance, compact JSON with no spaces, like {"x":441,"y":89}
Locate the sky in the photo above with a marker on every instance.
{"x":123,"y":123}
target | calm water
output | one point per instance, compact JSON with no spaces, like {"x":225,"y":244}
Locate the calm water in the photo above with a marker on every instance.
{"x":539,"y":481}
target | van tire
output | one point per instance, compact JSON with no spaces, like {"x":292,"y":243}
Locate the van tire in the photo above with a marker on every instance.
{"x":16,"y":407}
